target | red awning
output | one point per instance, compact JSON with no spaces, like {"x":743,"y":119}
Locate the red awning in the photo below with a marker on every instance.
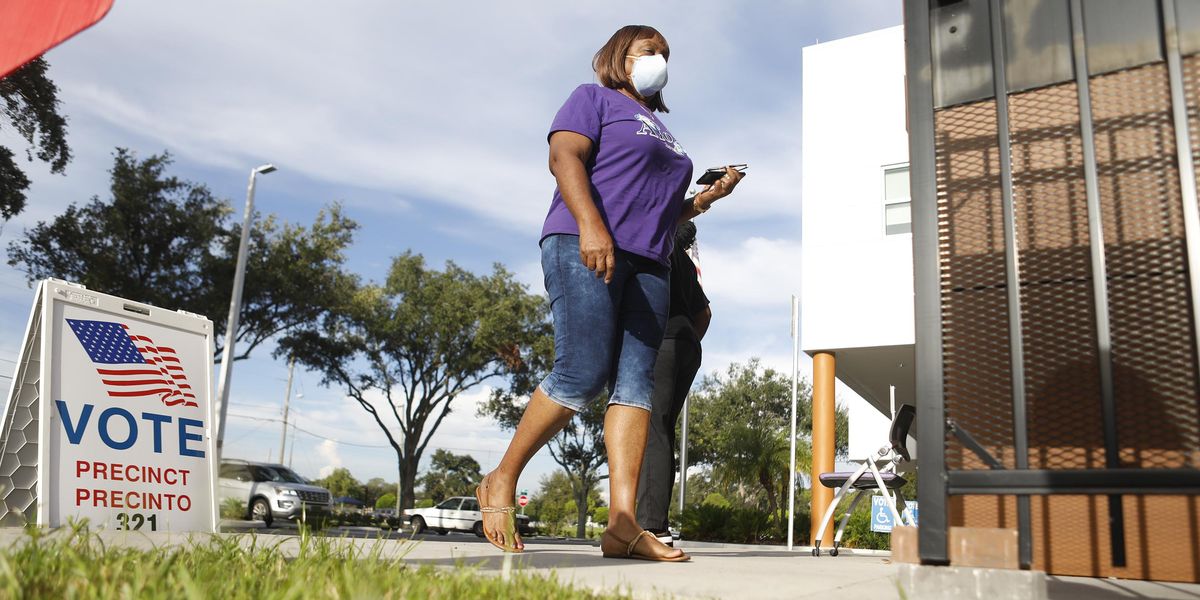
{"x":28,"y":28}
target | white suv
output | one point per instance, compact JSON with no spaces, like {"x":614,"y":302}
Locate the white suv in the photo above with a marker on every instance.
{"x":271,"y":491}
{"x":460,"y":513}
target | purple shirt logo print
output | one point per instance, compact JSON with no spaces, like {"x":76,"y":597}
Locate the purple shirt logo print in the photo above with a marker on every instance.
{"x":650,"y":128}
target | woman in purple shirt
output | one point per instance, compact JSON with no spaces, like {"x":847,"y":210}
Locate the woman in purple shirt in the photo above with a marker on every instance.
{"x":606,"y":248}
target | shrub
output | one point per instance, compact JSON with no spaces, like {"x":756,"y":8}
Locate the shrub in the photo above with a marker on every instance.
{"x":748,"y":526}
{"x":233,"y":508}
{"x":600,"y":515}
{"x":802,"y":526}
{"x":711,"y":521}
{"x":715,"y":499}
{"x":858,"y":532}
{"x":706,"y":522}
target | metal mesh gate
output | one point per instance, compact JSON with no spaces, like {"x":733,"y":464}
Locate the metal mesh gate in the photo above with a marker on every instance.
{"x":1057,"y":256}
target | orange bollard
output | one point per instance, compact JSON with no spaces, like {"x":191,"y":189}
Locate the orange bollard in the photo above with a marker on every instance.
{"x":824,"y":367}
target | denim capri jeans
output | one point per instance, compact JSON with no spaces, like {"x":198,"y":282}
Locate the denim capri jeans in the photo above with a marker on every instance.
{"x":604,"y":334}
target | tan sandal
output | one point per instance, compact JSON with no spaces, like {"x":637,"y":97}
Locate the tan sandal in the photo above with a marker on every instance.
{"x":628,"y":548}
{"x":510,"y":533}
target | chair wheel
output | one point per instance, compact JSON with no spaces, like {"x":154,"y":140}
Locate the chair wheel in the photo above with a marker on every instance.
{"x":833,"y":552}
{"x":816,"y":551}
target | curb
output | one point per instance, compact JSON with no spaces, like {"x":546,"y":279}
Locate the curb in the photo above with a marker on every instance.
{"x":799,"y":550}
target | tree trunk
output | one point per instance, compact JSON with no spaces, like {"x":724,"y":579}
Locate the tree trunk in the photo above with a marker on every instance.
{"x":764,"y":479}
{"x":408,"y":479}
{"x":581,"y":502}
{"x":409,"y":460}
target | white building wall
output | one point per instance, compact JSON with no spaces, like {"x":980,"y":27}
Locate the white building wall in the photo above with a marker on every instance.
{"x":856,"y":282}
{"x":856,"y":288}
{"x":868,"y":428}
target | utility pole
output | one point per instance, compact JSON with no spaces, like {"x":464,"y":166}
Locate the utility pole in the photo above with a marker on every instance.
{"x":287,"y":400}
{"x":795,"y":389}
{"x":292,"y":452}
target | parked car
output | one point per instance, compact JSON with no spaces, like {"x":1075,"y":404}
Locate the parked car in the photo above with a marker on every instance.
{"x":460,"y":513}
{"x":271,"y":491}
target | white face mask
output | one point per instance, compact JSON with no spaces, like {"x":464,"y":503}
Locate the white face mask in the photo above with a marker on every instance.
{"x":649,"y":74}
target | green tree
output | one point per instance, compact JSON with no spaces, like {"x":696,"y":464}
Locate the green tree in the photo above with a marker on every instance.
{"x":375,"y":488}
{"x":170,"y":243}
{"x":387,"y":500}
{"x":739,"y":426}
{"x":578,"y":448}
{"x":406,"y":349}
{"x":555,"y":504}
{"x":450,"y":475}
{"x":31,"y":105}
{"x":341,"y":484}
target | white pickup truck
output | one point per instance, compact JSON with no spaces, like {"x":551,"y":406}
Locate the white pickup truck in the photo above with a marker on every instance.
{"x":460,"y":513}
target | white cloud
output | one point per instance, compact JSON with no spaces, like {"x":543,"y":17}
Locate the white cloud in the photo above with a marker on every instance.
{"x":757,"y":273}
{"x":328,"y":450}
{"x":436,"y":101}
{"x":530,"y":274}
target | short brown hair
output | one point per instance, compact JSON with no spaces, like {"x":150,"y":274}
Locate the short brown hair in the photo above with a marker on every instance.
{"x":609,"y":61}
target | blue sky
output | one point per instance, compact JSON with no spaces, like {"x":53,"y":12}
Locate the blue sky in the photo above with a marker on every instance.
{"x":428,"y":122}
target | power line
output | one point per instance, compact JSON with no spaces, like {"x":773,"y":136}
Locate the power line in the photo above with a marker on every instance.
{"x":257,"y":406}
{"x":249,"y":433}
{"x":319,"y":436}
{"x":316,"y":435}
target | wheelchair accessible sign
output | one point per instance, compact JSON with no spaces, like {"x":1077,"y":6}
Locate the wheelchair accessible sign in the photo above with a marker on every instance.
{"x":882,"y":519}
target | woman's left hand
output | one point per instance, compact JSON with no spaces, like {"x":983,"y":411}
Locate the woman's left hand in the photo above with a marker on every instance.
{"x":723,"y":187}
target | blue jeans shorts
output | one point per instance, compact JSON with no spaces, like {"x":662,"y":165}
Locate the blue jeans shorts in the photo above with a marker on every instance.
{"x":605,"y":335}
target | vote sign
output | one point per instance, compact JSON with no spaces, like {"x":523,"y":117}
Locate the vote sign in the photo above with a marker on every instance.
{"x":123,"y":416}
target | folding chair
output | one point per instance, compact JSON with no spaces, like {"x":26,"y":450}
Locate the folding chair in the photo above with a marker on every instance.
{"x":870,"y":476}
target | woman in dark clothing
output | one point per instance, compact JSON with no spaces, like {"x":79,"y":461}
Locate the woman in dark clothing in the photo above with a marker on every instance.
{"x":678,"y":361}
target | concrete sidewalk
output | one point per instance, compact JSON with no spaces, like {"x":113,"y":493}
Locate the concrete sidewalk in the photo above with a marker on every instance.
{"x":725,"y":571}
{"x":712,"y":572}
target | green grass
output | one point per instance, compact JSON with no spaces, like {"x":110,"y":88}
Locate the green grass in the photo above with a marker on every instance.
{"x":76,"y":564}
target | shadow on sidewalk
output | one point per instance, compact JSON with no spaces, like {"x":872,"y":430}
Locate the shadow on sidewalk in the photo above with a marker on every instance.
{"x":556,"y":559}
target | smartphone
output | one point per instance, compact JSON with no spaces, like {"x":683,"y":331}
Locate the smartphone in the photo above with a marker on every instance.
{"x":711,"y":176}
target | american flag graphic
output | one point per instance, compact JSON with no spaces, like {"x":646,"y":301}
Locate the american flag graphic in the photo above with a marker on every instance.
{"x":133,"y":366}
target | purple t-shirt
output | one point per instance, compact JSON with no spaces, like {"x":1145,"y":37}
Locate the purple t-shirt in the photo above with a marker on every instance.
{"x":639,"y":173}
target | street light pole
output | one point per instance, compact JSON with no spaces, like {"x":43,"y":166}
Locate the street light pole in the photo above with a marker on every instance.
{"x":235,"y":308}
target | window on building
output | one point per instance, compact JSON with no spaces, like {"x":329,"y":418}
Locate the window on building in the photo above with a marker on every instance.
{"x":897,"y":205}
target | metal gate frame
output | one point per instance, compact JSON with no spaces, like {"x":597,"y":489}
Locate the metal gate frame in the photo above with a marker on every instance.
{"x":937,"y":483}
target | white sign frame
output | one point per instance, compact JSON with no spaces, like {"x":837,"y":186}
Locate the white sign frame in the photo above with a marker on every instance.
{"x":34,"y":390}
